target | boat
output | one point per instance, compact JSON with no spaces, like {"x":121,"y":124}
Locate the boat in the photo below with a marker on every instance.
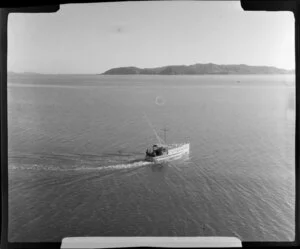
{"x":165,"y":152}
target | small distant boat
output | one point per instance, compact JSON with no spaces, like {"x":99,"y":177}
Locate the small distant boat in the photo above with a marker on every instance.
{"x":165,"y":152}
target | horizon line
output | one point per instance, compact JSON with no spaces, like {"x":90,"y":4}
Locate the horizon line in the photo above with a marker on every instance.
{"x":98,"y":73}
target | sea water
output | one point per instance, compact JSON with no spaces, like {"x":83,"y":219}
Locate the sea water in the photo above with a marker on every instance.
{"x":77,"y":143}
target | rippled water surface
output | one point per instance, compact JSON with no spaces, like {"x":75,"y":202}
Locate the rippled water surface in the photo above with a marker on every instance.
{"x":77,"y":143}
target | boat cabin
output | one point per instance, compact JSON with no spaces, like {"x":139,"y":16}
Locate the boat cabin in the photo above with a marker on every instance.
{"x":157,"y":150}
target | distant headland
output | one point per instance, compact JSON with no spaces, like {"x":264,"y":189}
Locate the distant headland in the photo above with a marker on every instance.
{"x":198,"y":69}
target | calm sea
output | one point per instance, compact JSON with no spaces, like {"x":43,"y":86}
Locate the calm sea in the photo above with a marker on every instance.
{"x":77,"y":143}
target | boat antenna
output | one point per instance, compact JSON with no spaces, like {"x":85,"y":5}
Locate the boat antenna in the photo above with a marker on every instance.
{"x":150,"y":124}
{"x":165,"y":134}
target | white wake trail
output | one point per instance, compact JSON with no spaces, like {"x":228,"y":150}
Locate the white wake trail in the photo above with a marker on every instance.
{"x":119,"y":166}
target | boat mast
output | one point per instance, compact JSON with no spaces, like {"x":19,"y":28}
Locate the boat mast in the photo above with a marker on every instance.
{"x":165,"y":134}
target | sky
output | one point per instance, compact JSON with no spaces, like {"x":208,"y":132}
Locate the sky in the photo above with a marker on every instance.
{"x":92,"y":38}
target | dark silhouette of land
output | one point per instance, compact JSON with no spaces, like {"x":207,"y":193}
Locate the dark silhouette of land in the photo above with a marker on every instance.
{"x":198,"y":69}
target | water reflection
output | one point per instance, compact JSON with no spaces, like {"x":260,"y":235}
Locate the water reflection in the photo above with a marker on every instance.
{"x":159,"y":167}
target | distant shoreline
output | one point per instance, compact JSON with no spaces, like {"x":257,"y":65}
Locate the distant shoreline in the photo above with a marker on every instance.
{"x":140,"y":75}
{"x":191,"y":70}
{"x":199,"y":69}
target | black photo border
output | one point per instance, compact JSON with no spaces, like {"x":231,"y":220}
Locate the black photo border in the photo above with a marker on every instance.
{"x":49,"y":6}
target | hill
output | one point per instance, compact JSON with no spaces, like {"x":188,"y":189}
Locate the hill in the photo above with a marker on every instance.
{"x":198,"y":69}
